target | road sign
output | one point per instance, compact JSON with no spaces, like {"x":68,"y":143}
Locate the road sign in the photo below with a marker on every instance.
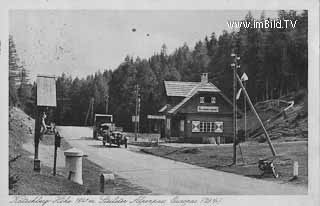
{"x":46,"y":91}
{"x":135,"y":118}
{"x":244,"y":77}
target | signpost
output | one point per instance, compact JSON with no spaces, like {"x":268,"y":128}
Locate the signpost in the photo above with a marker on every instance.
{"x":46,"y":97}
{"x":57,"y":141}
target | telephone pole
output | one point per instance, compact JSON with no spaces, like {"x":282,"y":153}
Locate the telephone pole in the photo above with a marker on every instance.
{"x":137,"y":114}
{"x":257,"y":115}
{"x":235,"y":65}
{"x":107,"y":103}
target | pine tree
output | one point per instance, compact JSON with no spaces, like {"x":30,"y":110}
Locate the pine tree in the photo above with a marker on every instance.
{"x":14,"y":70}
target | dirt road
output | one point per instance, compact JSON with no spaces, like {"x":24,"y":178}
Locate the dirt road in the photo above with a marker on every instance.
{"x":164,"y":176}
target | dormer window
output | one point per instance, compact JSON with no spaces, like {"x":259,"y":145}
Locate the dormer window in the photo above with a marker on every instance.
{"x":208,"y":100}
{"x":213,"y":100}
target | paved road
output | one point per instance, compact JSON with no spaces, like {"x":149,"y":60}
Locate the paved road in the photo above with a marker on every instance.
{"x":164,"y":176}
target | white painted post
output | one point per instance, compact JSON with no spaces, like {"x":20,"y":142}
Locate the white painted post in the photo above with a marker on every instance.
{"x":74,"y":164}
{"x":295,"y":169}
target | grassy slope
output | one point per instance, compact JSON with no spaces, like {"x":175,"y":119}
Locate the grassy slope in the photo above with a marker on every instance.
{"x":219,"y":157}
{"x":293,"y":127}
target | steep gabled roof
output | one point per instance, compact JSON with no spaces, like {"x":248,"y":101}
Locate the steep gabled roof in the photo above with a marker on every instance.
{"x":179,"y":89}
{"x":201,"y":87}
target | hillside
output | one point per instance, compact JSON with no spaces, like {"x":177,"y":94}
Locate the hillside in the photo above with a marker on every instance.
{"x":288,"y":125}
{"x":21,"y":176}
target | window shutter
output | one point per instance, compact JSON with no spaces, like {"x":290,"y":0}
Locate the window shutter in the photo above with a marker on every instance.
{"x":218,"y":127}
{"x":195,"y":126}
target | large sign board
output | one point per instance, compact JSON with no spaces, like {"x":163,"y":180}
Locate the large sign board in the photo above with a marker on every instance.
{"x":208,"y":109}
{"x":46,"y":91}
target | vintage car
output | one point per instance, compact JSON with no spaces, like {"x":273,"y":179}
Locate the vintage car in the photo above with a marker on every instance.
{"x":99,"y":121}
{"x":112,"y":137}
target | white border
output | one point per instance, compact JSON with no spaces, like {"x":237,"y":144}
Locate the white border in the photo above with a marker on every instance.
{"x":313,"y":82}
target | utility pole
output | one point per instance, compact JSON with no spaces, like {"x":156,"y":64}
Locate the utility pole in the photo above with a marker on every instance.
{"x":37,"y":135}
{"x":245,"y":114}
{"x":137,"y":112}
{"x":107,"y":103}
{"x":139,"y":100}
{"x":235,"y":65}
{"x":89,"y":112}
{"x":257,"y":115}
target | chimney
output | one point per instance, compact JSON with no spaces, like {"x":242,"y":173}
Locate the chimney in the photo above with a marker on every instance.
{"x":204,"y":78}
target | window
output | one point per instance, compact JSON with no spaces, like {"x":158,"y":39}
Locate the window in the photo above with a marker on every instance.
{"x":182,"y":125}
{"x":212,"y":126}
{"x":208,"y":125}
{"x":208,"y":99}
{"x":168,"y":123}
{"x":205,"y":126}
{"x":216,"y":127}
{"x":201,"y":127}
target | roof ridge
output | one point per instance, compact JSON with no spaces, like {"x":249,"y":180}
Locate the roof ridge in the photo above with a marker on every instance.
{"x":181,"y":81}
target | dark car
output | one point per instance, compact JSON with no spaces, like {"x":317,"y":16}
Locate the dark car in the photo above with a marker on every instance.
{"x":112,"y":137}
{"x":99,"y":121}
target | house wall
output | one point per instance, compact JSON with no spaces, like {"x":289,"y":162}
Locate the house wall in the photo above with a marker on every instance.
{"x":192,"y":105}
{"x":189,"y":112}
{"x":225,"y":115}
{"x":226,"y":119}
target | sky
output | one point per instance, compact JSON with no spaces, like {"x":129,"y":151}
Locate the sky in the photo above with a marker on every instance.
{"x":81,"y":42}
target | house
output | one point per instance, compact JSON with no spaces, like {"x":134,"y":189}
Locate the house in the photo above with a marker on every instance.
{"x":196,"y":111}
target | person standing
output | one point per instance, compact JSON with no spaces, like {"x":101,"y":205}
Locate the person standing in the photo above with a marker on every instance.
{"x":43,"y":129}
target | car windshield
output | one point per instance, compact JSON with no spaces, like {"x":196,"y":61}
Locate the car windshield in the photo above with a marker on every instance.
{"x":104,"y":127}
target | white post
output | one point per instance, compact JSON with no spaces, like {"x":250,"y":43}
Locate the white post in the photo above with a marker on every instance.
{"x":295,"y":169}
{"x":74,"y":165}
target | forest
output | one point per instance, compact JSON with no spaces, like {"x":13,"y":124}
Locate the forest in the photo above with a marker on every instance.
{"x":275,"y":60}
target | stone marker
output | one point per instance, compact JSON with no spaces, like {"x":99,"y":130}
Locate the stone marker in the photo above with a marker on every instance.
{"x":104,"y":179}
